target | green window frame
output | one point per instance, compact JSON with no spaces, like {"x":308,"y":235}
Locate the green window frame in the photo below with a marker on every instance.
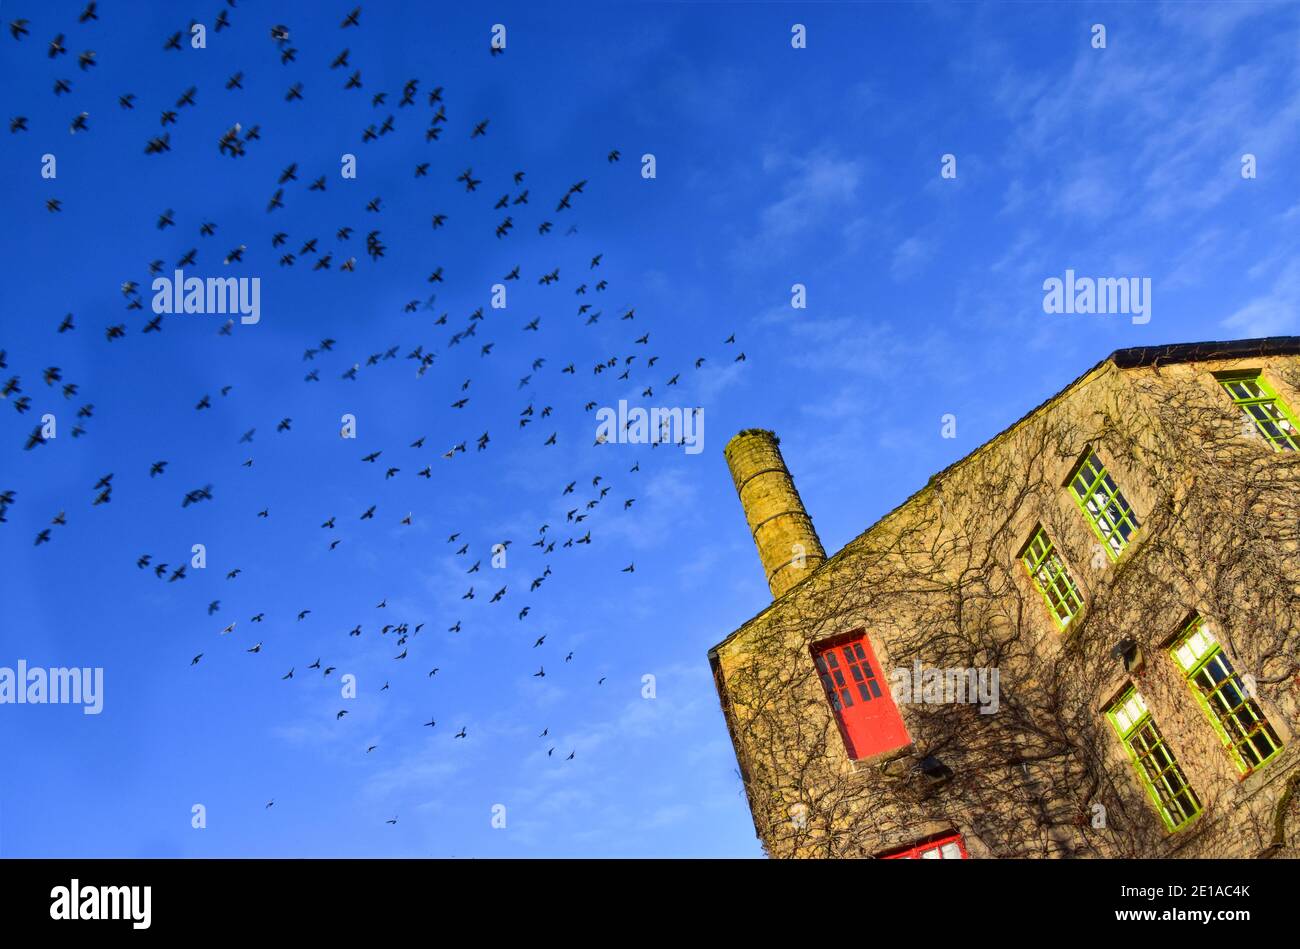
{"x":1261,"y":404}
{"x":1103,"y":505}
{"x":1242,"y":726}
{"x":1156,"y":765}
{"x":1050,"y":576}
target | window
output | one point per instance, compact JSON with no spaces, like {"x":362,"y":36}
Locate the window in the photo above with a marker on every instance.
{"x":1262,"y":406}
{"x":947,"y":847}
{"x":1103,"y":504}
{"x":1156,"y":766}
{"x":864,"y":709}
{"x":1246,"y":733}
{"x":1050,"y":576}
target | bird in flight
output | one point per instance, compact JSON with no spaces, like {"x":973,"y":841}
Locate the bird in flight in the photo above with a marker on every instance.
{"x":197,"y":495}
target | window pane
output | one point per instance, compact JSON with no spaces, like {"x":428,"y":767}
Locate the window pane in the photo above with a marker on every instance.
{"x":1104,"y":505}
{"x":1156,"y":765}
{"x":1245,"y":731}
{"x":1270,"y":414}
{"x":1051,"y":578}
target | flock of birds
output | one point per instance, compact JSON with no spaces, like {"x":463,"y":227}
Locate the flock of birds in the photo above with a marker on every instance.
{"x":503,"y":206}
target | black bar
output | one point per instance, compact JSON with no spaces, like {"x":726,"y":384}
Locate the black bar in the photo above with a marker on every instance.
{"x":943,"y":899}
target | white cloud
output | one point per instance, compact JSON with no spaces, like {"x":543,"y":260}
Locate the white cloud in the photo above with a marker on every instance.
{"x":909,"y":257}
{"x":815,"y":192}
{"x":1272,"y":313}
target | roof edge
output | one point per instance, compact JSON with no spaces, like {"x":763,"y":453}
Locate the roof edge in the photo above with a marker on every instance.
{"x":1137,"y":356}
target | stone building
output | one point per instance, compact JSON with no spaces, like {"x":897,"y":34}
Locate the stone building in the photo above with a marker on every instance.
{"x":1082,"y":639}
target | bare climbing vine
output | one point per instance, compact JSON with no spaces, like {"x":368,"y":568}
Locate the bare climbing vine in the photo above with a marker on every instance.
{"x":939,"y":581}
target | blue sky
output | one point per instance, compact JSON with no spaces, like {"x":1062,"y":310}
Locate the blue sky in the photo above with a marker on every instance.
{"x":775,"y":166}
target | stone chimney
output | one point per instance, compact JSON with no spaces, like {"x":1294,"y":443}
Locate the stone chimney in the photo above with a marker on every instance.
{"x":782,"y":530}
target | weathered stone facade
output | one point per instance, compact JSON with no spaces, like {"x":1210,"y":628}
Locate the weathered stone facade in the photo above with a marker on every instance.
{"x":940,"y":581}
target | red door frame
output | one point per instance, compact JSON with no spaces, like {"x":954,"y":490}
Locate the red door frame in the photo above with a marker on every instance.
{"x":855,"y":685}
{"x":914,"y":851}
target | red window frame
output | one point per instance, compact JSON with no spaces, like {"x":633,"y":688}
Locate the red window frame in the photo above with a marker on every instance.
{"x":931,"y":849}
{"x":855,"y":685}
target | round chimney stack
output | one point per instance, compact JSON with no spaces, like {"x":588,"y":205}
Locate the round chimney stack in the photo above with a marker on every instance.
{"x":783,"y":532}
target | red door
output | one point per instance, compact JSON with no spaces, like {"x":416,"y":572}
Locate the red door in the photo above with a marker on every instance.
{"x":859,"y":694}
